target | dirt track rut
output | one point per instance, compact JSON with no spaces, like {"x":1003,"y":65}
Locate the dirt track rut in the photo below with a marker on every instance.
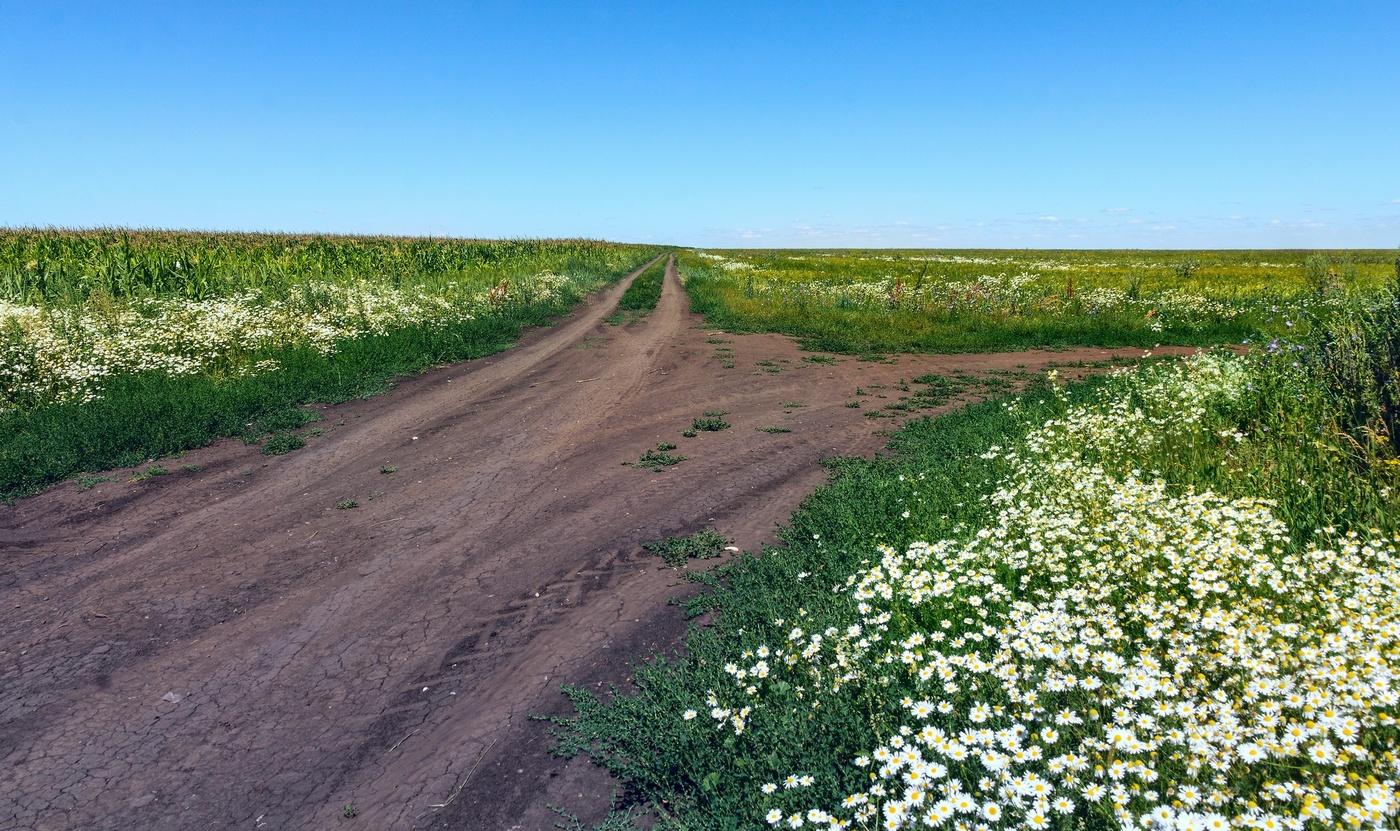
{"x":227,"y":649}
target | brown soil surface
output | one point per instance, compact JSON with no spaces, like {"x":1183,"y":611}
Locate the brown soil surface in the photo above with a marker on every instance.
{"x":225,"y":648}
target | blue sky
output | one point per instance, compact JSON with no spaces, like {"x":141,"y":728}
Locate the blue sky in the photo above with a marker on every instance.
{"x":1220,"y":124}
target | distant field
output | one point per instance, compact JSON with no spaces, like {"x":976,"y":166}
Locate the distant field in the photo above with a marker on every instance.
{"x":856,"y":301}
{"x":119,"y":345}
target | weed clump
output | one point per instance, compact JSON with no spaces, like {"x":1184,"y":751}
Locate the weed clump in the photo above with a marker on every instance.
{"x":711,"y":422}
{"x":281,"y":444}
{"x":657,"y":458}
{"x":677,"y":551}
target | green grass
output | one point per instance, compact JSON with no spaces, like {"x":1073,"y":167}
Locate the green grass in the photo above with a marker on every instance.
{"x":148,"y":473}
{"x":642,"y":296}
{"x":1320,"y":416}
{"x":871,"y":302}
{"x":87,"y":483}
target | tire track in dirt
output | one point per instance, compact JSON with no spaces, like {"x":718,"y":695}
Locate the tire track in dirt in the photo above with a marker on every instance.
{"x":226,"y":649}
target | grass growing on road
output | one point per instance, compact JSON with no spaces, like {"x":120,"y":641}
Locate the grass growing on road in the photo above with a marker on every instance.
{"x":657,"y":458}
{"x":642,"y":296}
{"x":677,"y":551}
{"x":711,"y":422}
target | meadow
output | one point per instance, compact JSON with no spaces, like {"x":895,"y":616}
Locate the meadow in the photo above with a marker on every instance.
{"x":945,"y":301}
{"x":1162,"y":598}
{"x":117,"y":346}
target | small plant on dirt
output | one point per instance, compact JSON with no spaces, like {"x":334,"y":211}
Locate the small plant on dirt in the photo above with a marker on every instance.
{"x":87,"y":483}
{"x":690,"y":434}
{"x":282,"y":443}
{"x":655,"y":460}
{"x":768,"y":366}
{"x":192,"y":468}
{"x":386,"y":469}
{"x":792,"y":405}
{"x":853,"y":404}
{"x":665,"y":445}
{"x":774,"y":430}
{"x":711,"y":422}
{"x":676,"y":551}
{"x":148,"y":473}
{"x":346,"y":504}
{"x":820,"y":359}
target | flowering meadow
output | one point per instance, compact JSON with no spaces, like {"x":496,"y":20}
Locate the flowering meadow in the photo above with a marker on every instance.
{"x":856,"y":301}
{"x":168,"y":339}
{"x":1165,"y":599}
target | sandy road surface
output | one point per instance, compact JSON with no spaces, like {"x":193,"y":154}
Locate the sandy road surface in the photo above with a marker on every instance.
{"x":227,"y":649}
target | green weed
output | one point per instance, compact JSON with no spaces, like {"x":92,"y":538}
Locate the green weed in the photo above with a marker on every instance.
{"x":711,"y":422}
{"x":677,"y":551}
{"x":148,"y":473}
{"x":282,"y":443}
{"x":657,"y":459}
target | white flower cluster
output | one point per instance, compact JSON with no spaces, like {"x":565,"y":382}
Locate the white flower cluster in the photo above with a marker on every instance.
{"x":67,"y":354}
{"x":1114,"y":650}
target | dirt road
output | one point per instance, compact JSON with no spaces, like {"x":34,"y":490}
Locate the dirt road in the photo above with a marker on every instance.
{"x":225,"y":648}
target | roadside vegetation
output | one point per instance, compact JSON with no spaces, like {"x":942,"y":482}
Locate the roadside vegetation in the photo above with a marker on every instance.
{"x":947,"y":301}
{"x":1162,"y":598}
{"x":118,"y":346}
